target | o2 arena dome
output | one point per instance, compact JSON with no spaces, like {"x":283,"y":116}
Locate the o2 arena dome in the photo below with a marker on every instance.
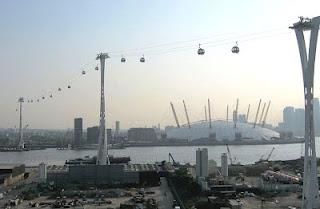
{"x":221,"y":130}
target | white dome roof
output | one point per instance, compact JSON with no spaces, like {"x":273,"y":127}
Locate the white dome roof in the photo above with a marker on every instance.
{"x":223,"y":130}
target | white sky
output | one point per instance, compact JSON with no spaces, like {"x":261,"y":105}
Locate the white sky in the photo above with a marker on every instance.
{"x":45,"y":44}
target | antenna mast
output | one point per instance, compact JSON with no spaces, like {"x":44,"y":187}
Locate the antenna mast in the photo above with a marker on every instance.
{"x":103,"y":157}
{"x":209,"y":110}
{"x":187,"y":116}
{"x":175,"y":115}
{"x":265,"y":115}
{"x":21,"y":142}
{"x":256,"y":118}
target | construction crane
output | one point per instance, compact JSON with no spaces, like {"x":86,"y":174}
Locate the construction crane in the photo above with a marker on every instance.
{"x":256,"y":118}
{"x":209,"y":111}
{"x":187,"y":116}
{"x":265,"y":115}
{"x":232,"y":161}
{"x":235,"y":114}
{"x":247,"y":116}
{"x":173,"y":161}
{"x":268,"y":156}
{"x":175,"y":115}
{"x":262,"y":113}
{"x":270,"y":153}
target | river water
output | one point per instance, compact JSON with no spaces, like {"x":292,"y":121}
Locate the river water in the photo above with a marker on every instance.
{"x":244,"y":154}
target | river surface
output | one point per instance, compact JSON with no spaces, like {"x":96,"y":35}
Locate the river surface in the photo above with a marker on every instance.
{"x":244,"y":154}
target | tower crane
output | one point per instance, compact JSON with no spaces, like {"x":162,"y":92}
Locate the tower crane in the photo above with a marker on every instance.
{"x":265,"y":115}
{"x":187,"y":116}
{"x":175,"y":115}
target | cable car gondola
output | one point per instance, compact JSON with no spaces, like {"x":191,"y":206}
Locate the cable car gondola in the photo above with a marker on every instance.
{"x":69,"y":87}
{"x":83,"y":72}
{"x":201,"y":51}
{"x":235,"y":49}
{"x":142,"y":59}
{"x":123,"y":59}
{"x":96,"y":68}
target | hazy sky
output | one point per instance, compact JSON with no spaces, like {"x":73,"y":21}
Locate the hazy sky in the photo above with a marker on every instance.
{"x":46,"y":44}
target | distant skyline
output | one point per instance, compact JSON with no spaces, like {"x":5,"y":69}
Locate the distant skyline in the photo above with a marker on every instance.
{"x":44,"y":44}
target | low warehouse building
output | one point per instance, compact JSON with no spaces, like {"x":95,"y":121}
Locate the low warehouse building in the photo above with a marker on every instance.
{"x":147,"y":174}
{"x":11,"y":173}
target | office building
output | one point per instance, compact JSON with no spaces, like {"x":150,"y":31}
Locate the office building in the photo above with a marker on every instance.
{"x":109,"y":134}
{"x":299,"y":122}
{"x":288,"y":118}
{"x":116,"y":133}
{"x":93,"y":135}
{"x":77,"y":131}
{"x":294,"y":119}
{"x":202,"y":162}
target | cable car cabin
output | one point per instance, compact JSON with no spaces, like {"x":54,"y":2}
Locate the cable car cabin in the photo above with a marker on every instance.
{"x":201,"y":51}
{"x":235,"y":49}
{"x":83,"y":72}
{"x":96,"y":68}
{"x":123,"y":59}
{"x":142,"y":59}
{"x":69,"y":87}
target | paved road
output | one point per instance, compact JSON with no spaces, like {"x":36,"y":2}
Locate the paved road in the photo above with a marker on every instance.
{"x":166,"y":198}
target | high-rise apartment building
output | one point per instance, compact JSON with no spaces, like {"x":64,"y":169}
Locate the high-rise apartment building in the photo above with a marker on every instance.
{"x":294,"y":119}
{"x":77,"y":133}
{"x":202,"y":162}
{"x":93,"y":135}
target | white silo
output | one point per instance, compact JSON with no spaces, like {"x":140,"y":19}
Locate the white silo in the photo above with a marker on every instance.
{"x":43,"y":172}
{"x":224,"y":164}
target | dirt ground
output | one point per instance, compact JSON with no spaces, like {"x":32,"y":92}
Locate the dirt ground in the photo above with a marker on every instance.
{"x":280,"y":202}
{"x":161,"y":194}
